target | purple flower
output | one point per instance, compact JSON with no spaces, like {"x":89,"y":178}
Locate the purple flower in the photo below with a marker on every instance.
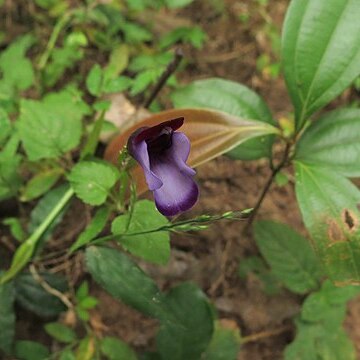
{"x":162,"y":152}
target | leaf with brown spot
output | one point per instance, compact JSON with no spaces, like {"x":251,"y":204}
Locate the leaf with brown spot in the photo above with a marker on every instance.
{"x":211,"y":133}
{"x":328,"y":203}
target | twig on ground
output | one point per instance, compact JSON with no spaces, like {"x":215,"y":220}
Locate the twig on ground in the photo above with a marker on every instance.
{"x":62,"y":297}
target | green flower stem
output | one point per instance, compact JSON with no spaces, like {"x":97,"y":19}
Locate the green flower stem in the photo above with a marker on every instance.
{"x":26,"y":250}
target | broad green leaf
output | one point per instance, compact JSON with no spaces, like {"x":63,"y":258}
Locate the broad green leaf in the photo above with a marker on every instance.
{"x":118,"y":84}
{"x":7,"y":317}
{"x":319,"y":330}
{"x":140,"y":235}
{"x":125,"y":281}
{"x":328,"y":203}
{"x":94,"y":80}
{"x":10,"y":180}
{"x":51,"y":127}
{"x":60,"y":332}
{"x":290,"y":256}
{"x":115,"y":349}
{"x":190,"y":335}
{"x":5,"y":126}
{"x":40,"y":184}
{"x":328,"y":304}
{"x":333,"y":141}
{"x":211,"y":133}
{"x":224,"y":345}
{"x":16,"y":69}
{"x":96,"y":225}
{"x":92,"y":181}
{"x":31,"y":350}
{"x":320,"y":51}
{"x":32,"y":296}
{"x":234,"y":99}
{"x":315,"y":342}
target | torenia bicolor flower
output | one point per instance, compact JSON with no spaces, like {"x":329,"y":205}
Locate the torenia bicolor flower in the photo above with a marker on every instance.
{"x":162,"y":152}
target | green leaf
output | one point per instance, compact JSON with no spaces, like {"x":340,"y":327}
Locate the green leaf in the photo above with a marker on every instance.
{"x":5,"y":126}
{"x":60,"y":332}
{"x":10,"y":180}
{"x":323,"y":304}
{"x":190,"y":335}
{"x":115,"y":349}
{"x":51,"y":127}
{"x":320,"y":51}
{"x":30,"y":350}
{"x":93,"y":180}
{"x":118,"y":62}
{"x":289,"y":255}
{"x":193,"y":35}
{"x":232,"y":98}
{"x":94,"y":80}
{"x":315,"y":342}
{"x":135,"y":33}
{"x":7,"y":317}
{"x":140,"y":235}
{"x":16,"y":228}
{"x":40,"y":184}
{"x":225,"y":344}
{"x":333,"y":141}
{"x":256,"y":265}
{"x":328,"y":203}
{"x":125,"y":281}
{"x":61,"y":59}
{"x":96,"y":225}
{"x":118,"y":84}
{"x":67,"y":354}
{"x":16,"y":69}
{"x":33,"y":297}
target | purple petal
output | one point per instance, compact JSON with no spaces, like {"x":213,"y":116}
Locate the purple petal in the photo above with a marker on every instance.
{"x":140,"y":152}
{"x":179,"y":191}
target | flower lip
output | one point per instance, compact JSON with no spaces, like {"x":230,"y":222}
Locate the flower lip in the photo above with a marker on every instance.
{"x":148,"y":133}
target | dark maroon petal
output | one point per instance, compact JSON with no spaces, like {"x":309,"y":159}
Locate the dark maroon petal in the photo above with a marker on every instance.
{"x":154,"y":131}
{"x":179,"y":191}
{"x":140,"y":153}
